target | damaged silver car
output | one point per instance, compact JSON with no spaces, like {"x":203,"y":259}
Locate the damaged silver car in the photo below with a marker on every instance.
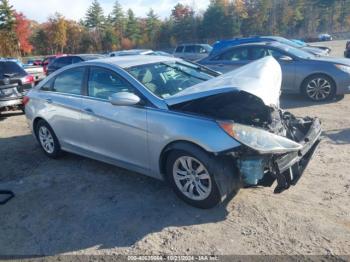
{"x":206,"y":134}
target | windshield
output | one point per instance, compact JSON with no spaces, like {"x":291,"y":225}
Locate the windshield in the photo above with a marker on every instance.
{"x":209,"y":48}
{"x":299,"y":42}
{"x":169,"y":78}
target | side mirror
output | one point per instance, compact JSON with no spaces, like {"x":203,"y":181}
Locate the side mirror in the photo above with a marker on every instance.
{"x":124,"y":99}
{"x":285,"y":58}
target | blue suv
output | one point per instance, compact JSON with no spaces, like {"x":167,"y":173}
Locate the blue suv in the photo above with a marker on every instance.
{"x":220,"y":45}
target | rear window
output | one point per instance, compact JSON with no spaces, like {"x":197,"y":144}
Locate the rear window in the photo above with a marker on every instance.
{"x":62,"y":61}
{"x":11,"y":68}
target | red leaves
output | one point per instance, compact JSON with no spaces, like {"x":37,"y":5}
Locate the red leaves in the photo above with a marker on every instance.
{"x":23,"y":33}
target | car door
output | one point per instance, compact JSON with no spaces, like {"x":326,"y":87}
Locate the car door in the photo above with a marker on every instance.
{"x":229,"y":60}
{"x":60,"y":103}
{"x":190,"y":52}
{"x":114,"y":133}
{"x":179,"y":51}
{"x":201,"y":52}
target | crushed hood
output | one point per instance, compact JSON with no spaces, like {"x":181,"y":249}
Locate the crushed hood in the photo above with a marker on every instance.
{"x":262,"y":78}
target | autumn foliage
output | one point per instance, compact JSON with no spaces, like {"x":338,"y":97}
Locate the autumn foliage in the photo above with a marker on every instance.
{"x":23,"y":32}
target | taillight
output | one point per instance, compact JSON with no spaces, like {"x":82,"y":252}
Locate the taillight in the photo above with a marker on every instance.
{"x":28,"y":79}
{"x":25,"y":100}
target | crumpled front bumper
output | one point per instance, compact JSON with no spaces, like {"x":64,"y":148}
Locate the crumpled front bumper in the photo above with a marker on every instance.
{"x":286,"y":168}
{"x":289,"y":167}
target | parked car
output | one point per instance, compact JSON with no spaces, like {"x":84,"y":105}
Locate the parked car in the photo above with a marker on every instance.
{"x":70,"y":59}
{"x":164,"y":117}
{"x":192,"y":52}
{"x":14,"y":83}
{"x":49,"y":59}
{"x":34,"y":62}
{"x":325,"y":37}
{"x":347,"y":50}
{"x":221,"y":45}
{"x":317,"y":78}
{"x":36,"y":71}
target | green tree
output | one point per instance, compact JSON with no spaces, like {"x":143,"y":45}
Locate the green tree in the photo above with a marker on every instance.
{"x":94,"y":17}
{"x":110,"y":41}
{"x":132,"y":30}
{"x":8,"y":40}
{"x":118,"y":18}
{"x":185,"y":23}
{"x":152,"y":27}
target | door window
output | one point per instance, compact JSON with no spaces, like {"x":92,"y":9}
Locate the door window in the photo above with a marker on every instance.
{"x":69,"y":81}
{"x":103,"y":83}
{"x":276,"y":54}
{"x":237,"y":54}
{"x":200,"y":49}
{"x":179,"y":49}
{"x":190,"y":49}
{"x":259,"y":52}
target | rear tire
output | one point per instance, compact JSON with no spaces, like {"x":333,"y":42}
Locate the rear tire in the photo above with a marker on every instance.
{"x":190,"y":175}
{"x":47,"y":139}
{"x":318,"y":88}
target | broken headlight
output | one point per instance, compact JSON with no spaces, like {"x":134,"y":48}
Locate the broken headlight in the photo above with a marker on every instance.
{"x":260,"y":140}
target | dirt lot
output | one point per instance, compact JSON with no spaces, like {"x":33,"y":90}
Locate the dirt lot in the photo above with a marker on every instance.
{"x":77,"y":205}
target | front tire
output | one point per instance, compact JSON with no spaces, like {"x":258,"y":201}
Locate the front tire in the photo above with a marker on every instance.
{"x":319,"y":88}
{"x":47,"y":139}
{"x":191,"y":177}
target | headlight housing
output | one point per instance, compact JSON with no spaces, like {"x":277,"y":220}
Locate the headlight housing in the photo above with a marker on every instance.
{"x":260,"y":140}
{"x":343,"y":68}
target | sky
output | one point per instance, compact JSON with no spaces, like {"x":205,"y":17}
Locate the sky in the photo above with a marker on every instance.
{"x":40,"y":10}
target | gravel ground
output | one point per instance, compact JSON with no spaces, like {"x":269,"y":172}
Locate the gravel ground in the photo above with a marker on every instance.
{"x":80,"y":206}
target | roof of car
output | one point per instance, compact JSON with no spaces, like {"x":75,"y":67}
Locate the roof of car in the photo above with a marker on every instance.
{"x":136,"y":60}
{"x":256,"y":44}
{"x":132,"y":51}
{"x":84,"y":56}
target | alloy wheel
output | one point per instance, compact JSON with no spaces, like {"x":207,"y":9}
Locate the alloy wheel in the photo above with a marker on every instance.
{"x":46,"y":139}
{"x":319,"y":89}
{"x":192,"y":178}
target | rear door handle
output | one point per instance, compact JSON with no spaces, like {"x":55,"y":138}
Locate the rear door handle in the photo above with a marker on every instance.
{"x":48,"y":100}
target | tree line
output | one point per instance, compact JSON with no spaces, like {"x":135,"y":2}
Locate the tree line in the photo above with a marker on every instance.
{"x":122,"y":29}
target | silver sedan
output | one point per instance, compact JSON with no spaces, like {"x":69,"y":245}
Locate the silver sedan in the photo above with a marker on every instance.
{"x":317,"y":78}
{"x":206,"y":135}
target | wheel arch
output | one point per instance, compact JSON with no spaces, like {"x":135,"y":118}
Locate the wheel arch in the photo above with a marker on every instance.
{"x":36,"y":121}
{"x":175,"y":145}
{"x":315,"y":74}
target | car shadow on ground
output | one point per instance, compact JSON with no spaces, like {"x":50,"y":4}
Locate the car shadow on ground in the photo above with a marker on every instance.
{"x":289,"y":101}
{"x":77,"y":203}
{"x":339,"y":136}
